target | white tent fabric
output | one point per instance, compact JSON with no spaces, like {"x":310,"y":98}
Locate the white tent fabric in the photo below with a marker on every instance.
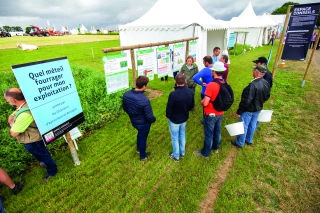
{"x":173,"y":20}
{"x":247,"y":21}
{"x":83,"y":30}
{"x":268,"y":23}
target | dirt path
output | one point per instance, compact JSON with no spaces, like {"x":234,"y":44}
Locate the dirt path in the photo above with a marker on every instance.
{"x":207,"y":204}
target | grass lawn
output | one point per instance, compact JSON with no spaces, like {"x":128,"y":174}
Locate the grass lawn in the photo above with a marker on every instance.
{"x":279,"y":173}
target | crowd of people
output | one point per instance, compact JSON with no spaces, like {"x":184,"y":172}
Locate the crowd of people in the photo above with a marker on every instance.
{"x":181,"y":102}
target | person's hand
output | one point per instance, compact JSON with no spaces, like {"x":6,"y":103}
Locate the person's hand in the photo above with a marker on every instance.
{"x":237,"y":115}
{"x":204,"y":84}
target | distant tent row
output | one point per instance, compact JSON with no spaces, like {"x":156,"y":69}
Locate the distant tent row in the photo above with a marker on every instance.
{"x":169,"y":20}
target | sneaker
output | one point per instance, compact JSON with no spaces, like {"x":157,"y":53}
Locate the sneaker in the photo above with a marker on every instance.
{"x":44,"y":180}
{"x":42,"y":164}
{"x":216,"y":151}
{"x":181,"y":156}
{"x":249,"y":144}
{"x":198,"y":153}
{"x":18,"y":187}
{"x":172,"y":157}
{"x":146,"y":157}
{"x":234,"y":144}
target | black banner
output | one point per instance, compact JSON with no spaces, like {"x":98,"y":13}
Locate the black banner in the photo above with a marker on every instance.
{"x":299,"y":31}
{"x":62,"y":129}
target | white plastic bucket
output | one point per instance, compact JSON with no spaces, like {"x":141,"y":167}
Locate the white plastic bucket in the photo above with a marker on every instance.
{"x":265,"y":116}
{"x":235,"y":129}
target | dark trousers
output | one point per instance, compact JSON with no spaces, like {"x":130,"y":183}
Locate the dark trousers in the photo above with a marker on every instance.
{"x":39,"y":151}
{"x":202,"y":96}
{"x":193,"y":89}
{"x":143,"y":132}
{"x":311,"y":45}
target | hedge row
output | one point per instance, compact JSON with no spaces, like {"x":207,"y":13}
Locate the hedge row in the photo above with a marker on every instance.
{"x":98,"y":107}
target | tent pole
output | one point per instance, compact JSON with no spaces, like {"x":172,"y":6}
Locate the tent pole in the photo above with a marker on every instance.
{"x":281,"y":43}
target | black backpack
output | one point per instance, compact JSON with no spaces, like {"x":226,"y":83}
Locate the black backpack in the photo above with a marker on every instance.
{"x":224,"y":99}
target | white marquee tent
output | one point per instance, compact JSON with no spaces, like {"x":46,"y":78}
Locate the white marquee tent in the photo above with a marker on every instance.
{"x":247,"y":21}
{"x":268,"y":23}
{"x":173,"y":20}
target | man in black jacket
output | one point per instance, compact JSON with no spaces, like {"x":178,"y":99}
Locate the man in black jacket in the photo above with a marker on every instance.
{"x":138,"y":107}
{"x":252,"y":100}
{"x":180,"y":102}
{"x":267,"y":76}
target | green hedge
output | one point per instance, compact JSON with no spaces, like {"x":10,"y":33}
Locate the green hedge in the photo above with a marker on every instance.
{"x":239,"y":49}
{"x":98,"y":107}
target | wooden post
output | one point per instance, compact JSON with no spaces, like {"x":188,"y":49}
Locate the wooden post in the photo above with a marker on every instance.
{"x":244,"y":44}
{"x":310,"y":60}
{"x":280,"y":48}
{"x":133,"y":63}
{"x":73,"y":150}
{"x":187,"y":49}
{"x":235,"y":46}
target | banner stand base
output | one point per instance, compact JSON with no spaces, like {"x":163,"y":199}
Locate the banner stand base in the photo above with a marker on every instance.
{"x":303,"y":83}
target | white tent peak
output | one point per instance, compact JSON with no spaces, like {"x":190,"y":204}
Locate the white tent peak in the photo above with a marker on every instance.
{"x":247,"y":19}
{"x":163,"y":16}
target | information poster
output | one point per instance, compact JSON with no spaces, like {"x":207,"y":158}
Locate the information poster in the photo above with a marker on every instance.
{"x":163,"y":59}
{"x":49,"y":89}
{"x":232,"y":40}
{"x":179,"y":55}
{"x":193,"y":50}
{"x":116,"y":71}
{"x":144,"y":61}
{"x":299,"y":31}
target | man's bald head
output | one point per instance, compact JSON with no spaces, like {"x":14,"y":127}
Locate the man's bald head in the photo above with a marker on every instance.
{"x":14,"y":93}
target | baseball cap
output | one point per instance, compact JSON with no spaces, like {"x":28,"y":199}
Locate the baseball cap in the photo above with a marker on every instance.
{"x":261,"y":60}
{"x":262,"y":69}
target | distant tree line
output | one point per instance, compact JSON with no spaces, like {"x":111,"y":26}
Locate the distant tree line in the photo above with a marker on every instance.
{"x":12,"y":28}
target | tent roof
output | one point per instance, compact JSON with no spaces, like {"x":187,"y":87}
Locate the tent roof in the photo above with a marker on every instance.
{"x":267,"y":21}
{"x":174,"y":15}
{"x":247,"y":19}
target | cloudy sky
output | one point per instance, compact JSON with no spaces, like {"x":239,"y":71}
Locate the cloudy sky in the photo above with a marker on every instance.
{"x":108,"y":14}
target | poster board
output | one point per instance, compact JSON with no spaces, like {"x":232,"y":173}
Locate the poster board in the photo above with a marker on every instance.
{"x":50,"y":91}
{"x":145,"y":62}
{"x":193,"y":50}
{"x":179,"y":55}
{"x":163,"y":61}
{"x":116,"y":72}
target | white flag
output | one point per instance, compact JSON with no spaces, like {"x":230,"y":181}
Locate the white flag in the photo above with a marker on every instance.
{"x":48,"y":23}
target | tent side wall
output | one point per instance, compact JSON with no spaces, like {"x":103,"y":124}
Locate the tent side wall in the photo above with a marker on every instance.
{"x":216,"y":38}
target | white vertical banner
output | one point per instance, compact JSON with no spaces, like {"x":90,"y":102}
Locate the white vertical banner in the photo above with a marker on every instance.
{"x":179,"y":55}
{"x":116,"y":71}
{"x":163,"y":59}
{"x":193,"y":50}
{"x":145,"y":62}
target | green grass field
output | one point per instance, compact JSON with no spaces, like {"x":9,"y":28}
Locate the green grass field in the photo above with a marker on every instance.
{"x":279,"y":173}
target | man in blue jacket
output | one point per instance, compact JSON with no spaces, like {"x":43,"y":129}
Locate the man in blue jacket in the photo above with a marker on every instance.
{"x":138,"y":107}
{"x":180,"y":102}
{"x":205,"y":75}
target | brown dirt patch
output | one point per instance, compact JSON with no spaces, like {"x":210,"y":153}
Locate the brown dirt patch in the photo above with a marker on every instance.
{"x":207,"y":204}
{"x":152,"y":94}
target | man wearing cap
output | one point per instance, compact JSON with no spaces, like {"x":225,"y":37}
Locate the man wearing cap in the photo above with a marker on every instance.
{"x":212,"y":118}
{"x":267,"y":76}
{"x":252,"y":100}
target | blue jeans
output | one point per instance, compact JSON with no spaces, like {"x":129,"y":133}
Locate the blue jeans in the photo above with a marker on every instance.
{"x":39,"y":151}
{"x":143,"y":132}
{"x":1,"y":207}
{"x":250,"y":123}
{"x":212,"y":133}
{"x":178,"y":138}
